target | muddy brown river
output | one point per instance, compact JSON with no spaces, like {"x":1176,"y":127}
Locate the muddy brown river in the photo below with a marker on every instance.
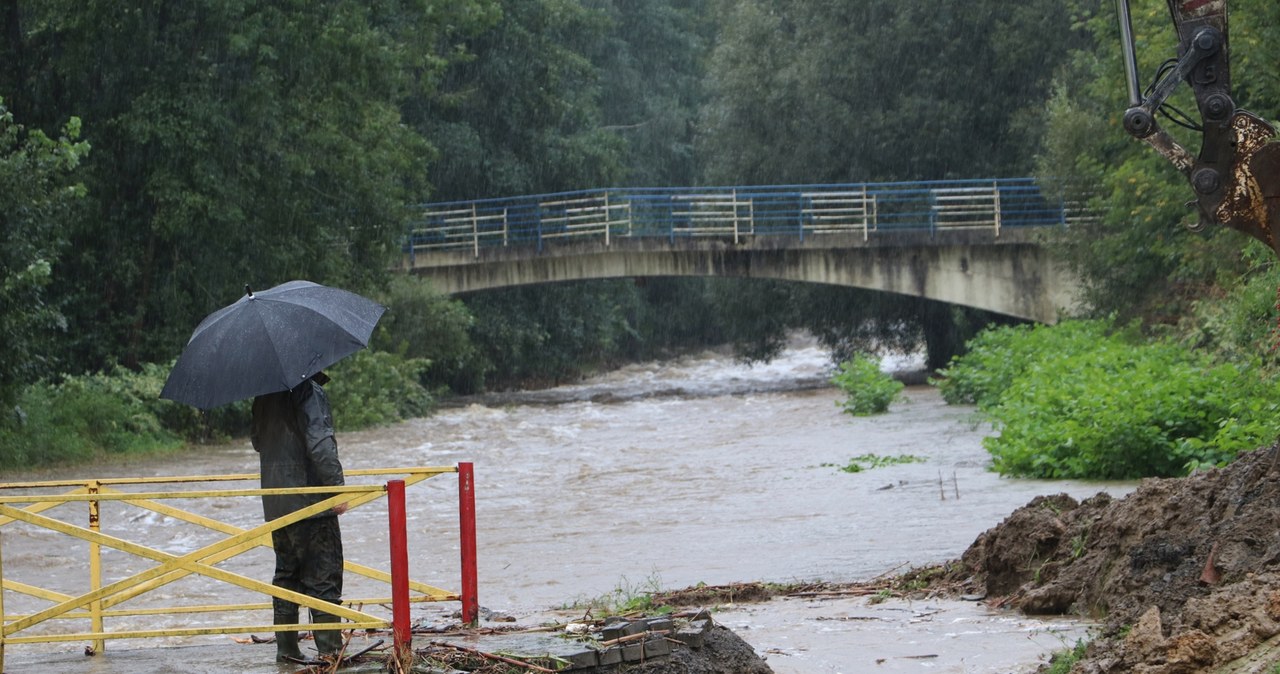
{"x":662,"y":475}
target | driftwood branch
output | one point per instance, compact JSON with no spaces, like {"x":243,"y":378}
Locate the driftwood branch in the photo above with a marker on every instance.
{"x":500,"y":658}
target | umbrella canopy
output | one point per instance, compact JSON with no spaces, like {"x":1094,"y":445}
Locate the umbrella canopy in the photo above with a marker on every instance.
{"x":270,"y":341}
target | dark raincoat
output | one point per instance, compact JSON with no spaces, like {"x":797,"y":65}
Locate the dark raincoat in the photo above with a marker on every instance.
{"x":293,"y":433}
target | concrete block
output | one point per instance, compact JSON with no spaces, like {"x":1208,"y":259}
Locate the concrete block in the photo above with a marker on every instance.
{"x":657,"y":648}
{"x":633,"y":652}
{"x":623,"y":629}
{"x":689,"y":637}
{"x":661,"y":624}
{"x":588,"y":657}
{"x":610,"y":656}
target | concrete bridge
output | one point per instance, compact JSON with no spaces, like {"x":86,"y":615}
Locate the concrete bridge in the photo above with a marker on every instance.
{"x":971,"y":243}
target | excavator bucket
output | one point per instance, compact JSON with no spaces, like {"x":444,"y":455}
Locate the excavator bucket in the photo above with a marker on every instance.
{"x":1251,"y":202}
{"x":1236,"y":176}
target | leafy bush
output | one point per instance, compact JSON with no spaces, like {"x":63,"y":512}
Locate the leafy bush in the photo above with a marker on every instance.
{"x":998,"y":356}
{"x":372,"y":388}
{"x":422,"y":323}
{"x":193,"y":425}
{"x":867,"y":389}
{"x":1240,"y":323}
{"x":1075,"y":401}
{"x":80,"y":418}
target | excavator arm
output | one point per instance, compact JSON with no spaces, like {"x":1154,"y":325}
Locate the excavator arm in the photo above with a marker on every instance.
{"x":1236,"y":176}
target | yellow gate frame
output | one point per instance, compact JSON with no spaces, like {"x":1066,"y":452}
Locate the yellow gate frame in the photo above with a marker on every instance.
{"x":96,"y":605}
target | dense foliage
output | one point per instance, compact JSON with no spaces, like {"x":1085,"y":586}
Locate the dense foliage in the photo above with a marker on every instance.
{"x":234,"y":143}
{"x":1084,"y":401}
{"x":836,"y":91}
{"x":119,"y":412}
{"x":240,"y":143}
{"x":80,"y":418}
{"x":995,"y":358}
{"x":244,"y":144}
{"x":37,"y":194}
{"x":373,"y":388}
{"x":867,"y":389}
{"x":1138,"y":259}
{"x":829,"y":91}
{"x":1120,"y":406}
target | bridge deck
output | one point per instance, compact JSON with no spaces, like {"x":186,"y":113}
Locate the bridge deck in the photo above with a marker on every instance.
{"x":971,"y":243}
{"x":737,"y":213}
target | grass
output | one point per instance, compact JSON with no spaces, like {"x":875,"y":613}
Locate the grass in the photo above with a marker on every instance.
{"x":1062,"y":661}
{"x":626,"y":597}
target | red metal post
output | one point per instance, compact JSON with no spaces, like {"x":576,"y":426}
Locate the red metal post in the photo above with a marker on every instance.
{"x":467,"y":534}
{"x":402,"y":636}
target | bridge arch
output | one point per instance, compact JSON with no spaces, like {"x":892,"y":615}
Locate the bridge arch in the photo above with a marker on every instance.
{"x":976,"y":245}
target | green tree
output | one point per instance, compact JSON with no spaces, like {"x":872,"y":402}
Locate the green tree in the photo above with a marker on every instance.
{"x":832,"y":91}
{"x":675,"y":314}
{"x":1138,"y":259}
{"x":37,"y":196}
{"x":562,"y":96}
{"x":423,"y":324}
{"x":826,"y":91}
{"x":553,"y":333}
{"x":523,"y":115}
{"x":236,"y":143}
{"x":651,"y":62}
{"x":756,"y":315}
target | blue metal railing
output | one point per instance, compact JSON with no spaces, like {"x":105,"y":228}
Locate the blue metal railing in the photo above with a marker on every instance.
{"x":737,"y":213}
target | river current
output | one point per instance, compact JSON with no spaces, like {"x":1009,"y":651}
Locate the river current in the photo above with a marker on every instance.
{"x":657,"y":476}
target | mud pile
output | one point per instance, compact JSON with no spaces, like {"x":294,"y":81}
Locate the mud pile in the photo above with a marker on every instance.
{"x":723,"y":653}
{"x":1185,"y":572}
{"x":689,"y":642}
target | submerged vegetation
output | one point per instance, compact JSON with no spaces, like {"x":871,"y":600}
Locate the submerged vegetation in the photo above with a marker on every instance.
{"x":870,"y":461}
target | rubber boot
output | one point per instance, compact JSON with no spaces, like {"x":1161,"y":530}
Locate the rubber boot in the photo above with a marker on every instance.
{"x":328,"y":642}
{"x":286,"y":642}
{"x":287,"y":647}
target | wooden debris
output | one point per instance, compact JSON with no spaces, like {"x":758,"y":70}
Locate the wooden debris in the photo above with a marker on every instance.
{"x":493,"y":656}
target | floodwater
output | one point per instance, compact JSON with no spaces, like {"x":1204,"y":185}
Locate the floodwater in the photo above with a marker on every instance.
{"x":657,"y":476}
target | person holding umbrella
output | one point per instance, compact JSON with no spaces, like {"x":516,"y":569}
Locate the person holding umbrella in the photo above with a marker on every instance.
{"x":293,"y":434}
{"x":273,"y":346}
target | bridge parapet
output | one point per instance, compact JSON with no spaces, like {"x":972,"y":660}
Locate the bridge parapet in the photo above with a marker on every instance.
{"x":736,"y":213}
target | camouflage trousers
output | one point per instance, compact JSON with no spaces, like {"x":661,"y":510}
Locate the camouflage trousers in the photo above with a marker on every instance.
{"x":308,"y":561}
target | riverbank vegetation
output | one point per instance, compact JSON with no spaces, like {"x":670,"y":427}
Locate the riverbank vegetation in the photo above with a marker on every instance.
{"x":1182,"y":373}
{"x":1085,"y":400}
{"x":154,"y":160}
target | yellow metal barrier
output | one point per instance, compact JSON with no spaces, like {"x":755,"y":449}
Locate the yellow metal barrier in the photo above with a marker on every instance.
{"x":99,"y":603}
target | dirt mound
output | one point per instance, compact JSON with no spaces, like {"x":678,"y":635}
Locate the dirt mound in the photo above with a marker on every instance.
{"x":1183,"y":571}
{"x":723,"y":653}
{"x":688,"y":642}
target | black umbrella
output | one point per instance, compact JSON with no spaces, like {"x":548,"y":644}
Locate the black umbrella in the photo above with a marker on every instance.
{"x":270,"y":341}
